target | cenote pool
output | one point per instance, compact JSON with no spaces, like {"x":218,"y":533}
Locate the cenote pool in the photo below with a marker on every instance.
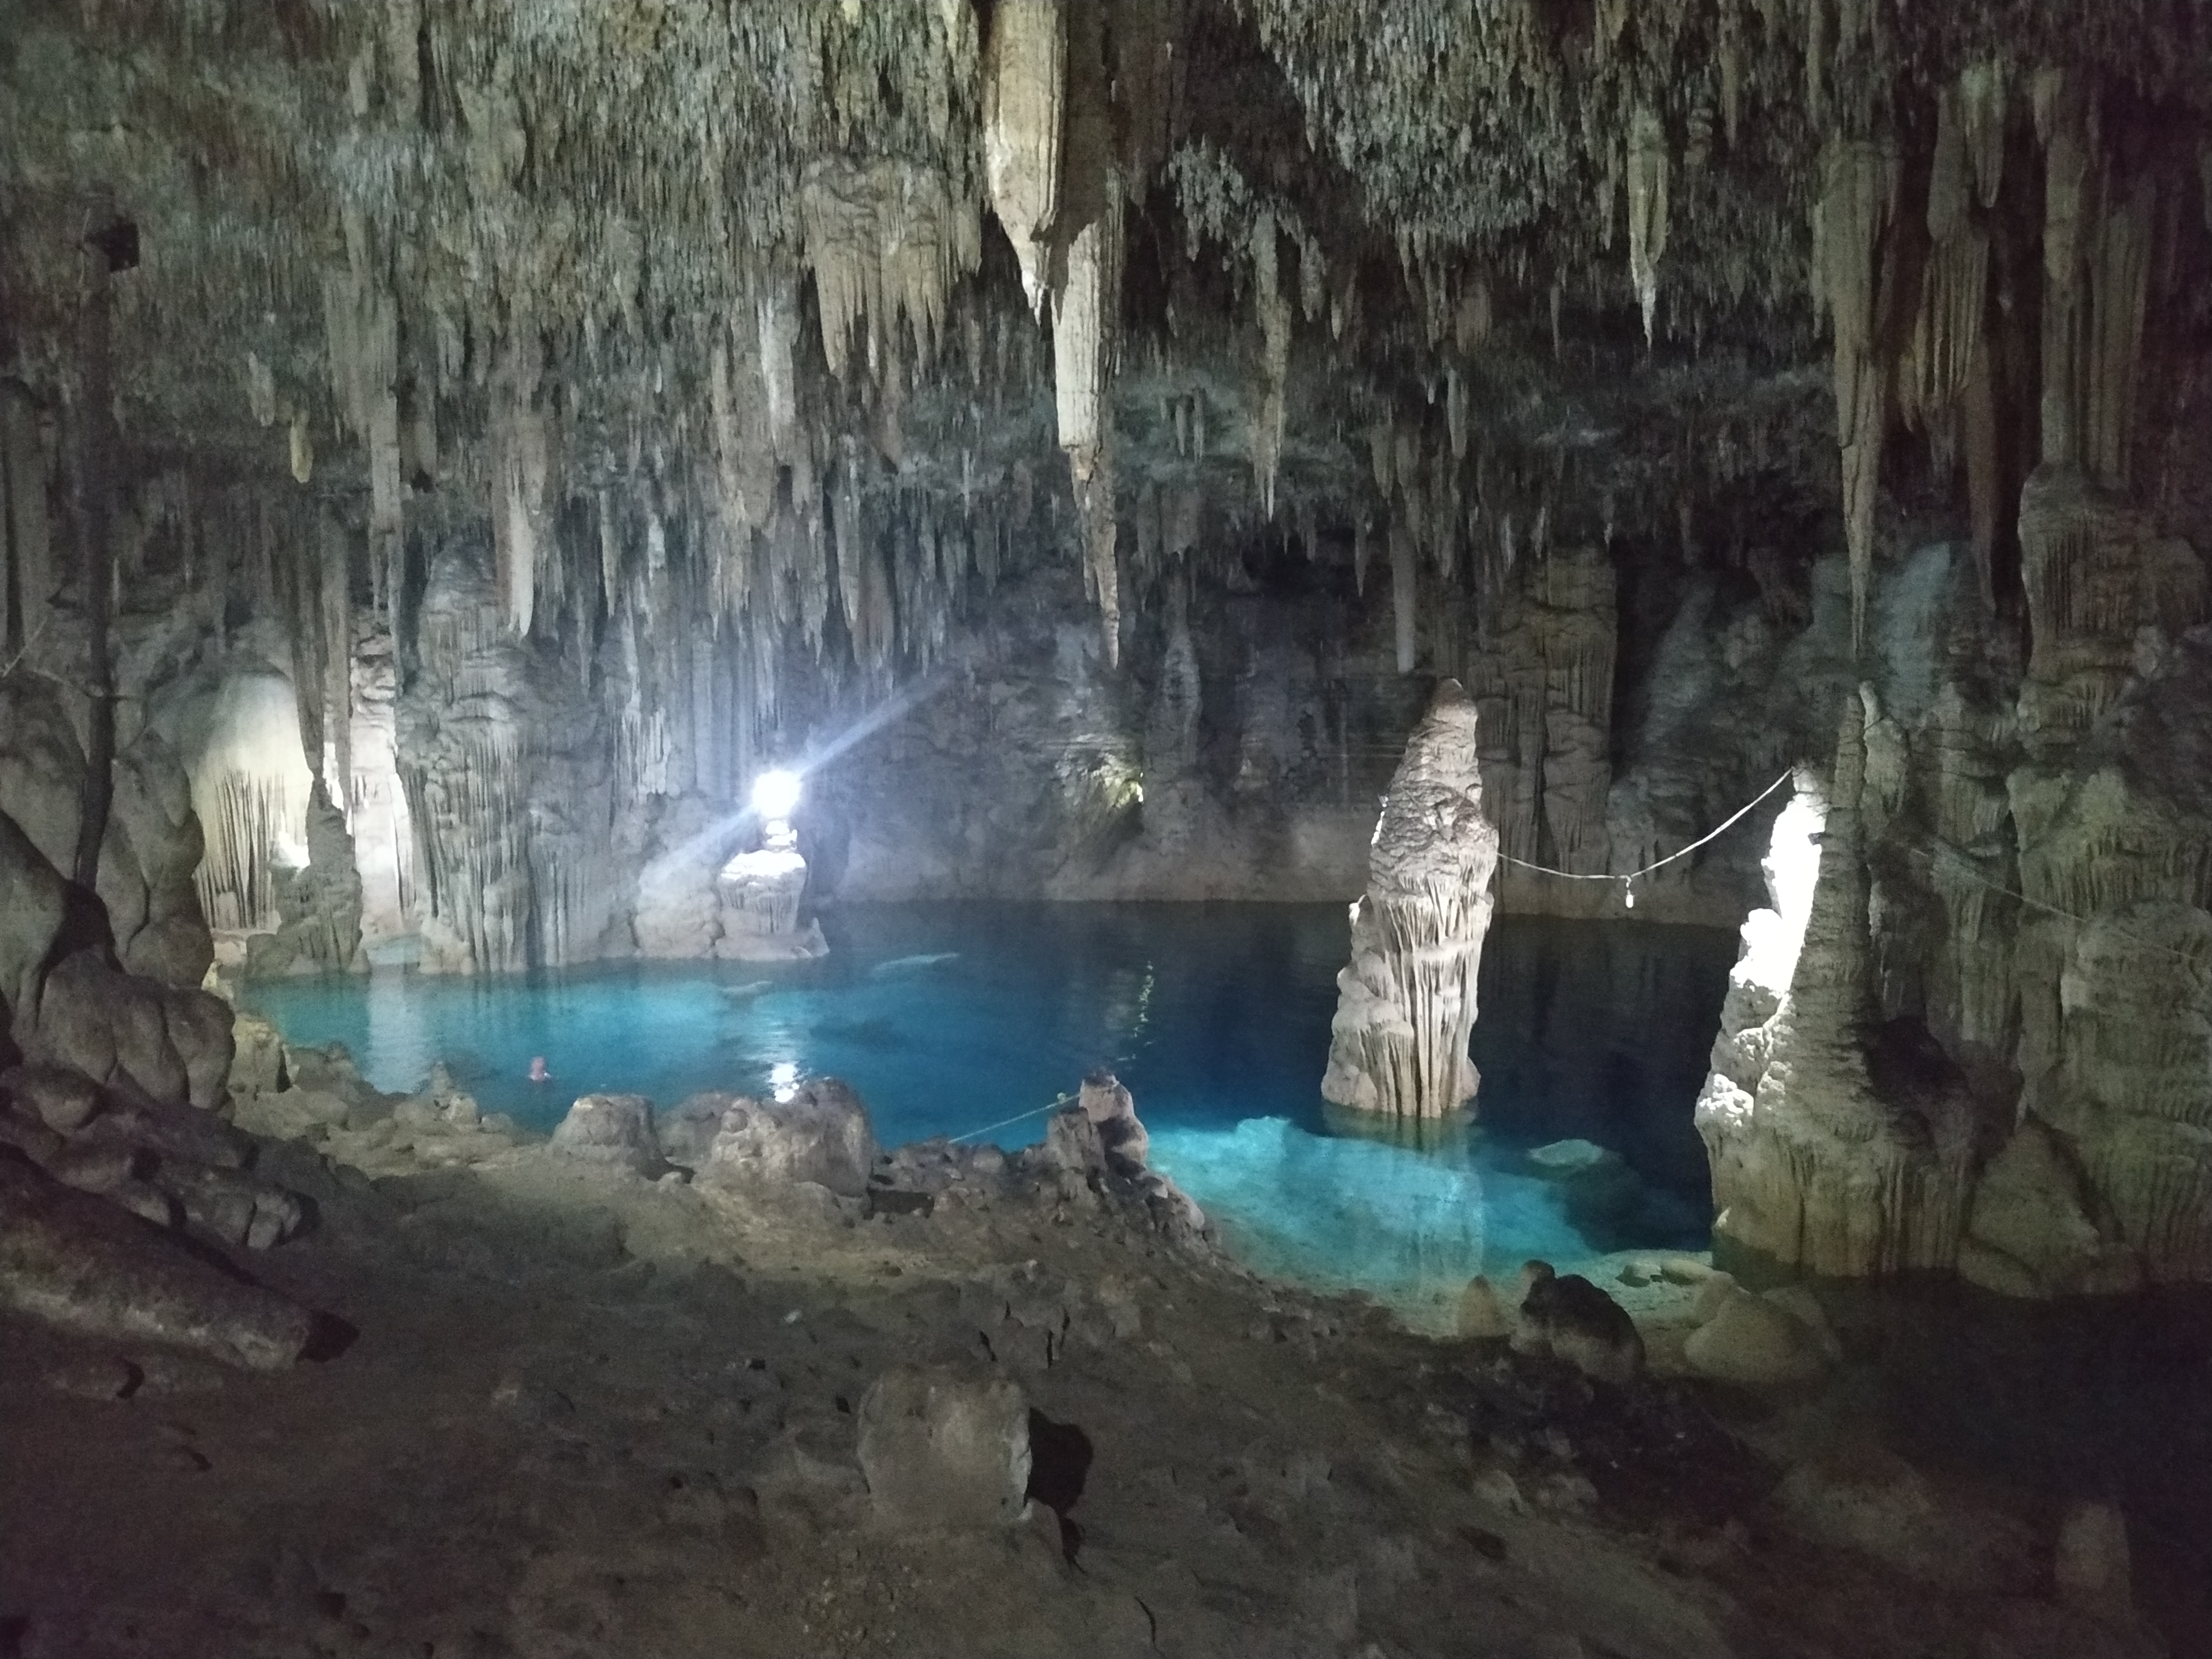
{"x":954,"y":1018}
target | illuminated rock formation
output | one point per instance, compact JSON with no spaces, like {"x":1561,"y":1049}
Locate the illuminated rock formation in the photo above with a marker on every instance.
{"x":1816,"y":1164}
{"x":1405,"y":1001}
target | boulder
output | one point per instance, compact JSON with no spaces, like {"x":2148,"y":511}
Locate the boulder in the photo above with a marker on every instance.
{"x":1072,"y":1144}
{"x":1122,"y":1139}
{"x":945,"y":1447}
{"x":2091,"y":1566}
{"x":1868,"y":1499}
{"x":821,"y":1134}
{"x":79,"y":1263}
{"x":616,"y":1129}
{"x":1481,"y":1315}
{"x":64,"y":1100}
{"x":233,"y":1206}
{"x":1756,"y":1343}
{"x":257,"y":1061}
{"x":1570,"y":1319}
{"x":169,"y":1133}
{"x":688,"y":1130}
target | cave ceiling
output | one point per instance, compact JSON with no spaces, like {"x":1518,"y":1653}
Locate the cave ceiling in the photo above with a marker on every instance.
{"x":606,"y":278}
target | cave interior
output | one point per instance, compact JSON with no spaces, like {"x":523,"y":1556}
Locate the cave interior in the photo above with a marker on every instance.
{"x":1011,"y":733}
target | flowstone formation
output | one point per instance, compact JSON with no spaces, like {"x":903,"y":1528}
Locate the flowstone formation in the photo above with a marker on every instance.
{"x":1406,"y":1000}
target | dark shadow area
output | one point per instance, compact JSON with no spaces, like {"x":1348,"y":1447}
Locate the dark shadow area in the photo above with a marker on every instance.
{"x":2101,"y":1399}
{"x":1059,"y":1462}
{"x":329,"y":1337}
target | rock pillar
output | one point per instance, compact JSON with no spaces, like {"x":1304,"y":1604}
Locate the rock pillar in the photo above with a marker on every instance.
{"x":1405,"y":1001}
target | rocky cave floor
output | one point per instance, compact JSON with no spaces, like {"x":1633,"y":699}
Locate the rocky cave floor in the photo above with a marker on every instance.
{"x":571,"y":1410}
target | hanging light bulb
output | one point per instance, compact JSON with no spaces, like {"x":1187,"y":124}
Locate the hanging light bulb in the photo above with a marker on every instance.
{"x":776,"y":794}
{"x":1628,"y":891}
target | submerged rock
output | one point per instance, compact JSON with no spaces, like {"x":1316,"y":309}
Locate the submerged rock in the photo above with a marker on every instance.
{"x":945,"y":1447}
{"x":1756,"y":1342}
{"x":1868,"y":1499}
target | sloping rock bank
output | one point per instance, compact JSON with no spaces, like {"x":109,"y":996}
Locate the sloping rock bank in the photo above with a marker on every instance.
{"x":696,"y":1403}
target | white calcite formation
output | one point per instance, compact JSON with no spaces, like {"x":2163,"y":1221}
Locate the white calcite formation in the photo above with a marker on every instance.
{"x":1813,"y":1165}
{"x":761,"y":892}
{"x":1405,"y":1001}
{"x":1979,"y":1044}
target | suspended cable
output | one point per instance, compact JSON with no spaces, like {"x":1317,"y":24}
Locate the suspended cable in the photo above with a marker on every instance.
{"x":1049,"y":1106}
{"x":1632,"y":877}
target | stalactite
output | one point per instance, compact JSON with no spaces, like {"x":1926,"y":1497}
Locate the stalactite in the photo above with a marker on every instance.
{"x":361,"y":324}
{"x":2063,"y":120}
{"x":888,"y":240}
{"x":1025,"y":105}
{"x":29,"y":568}
{"x":334,"y":591}
{"x":1647,"y":210}
{"x":1857,"y":189}
{"x":1405,"y":601}
{"x":1730,"y":50}
{"x":1984,"y":484}
{"x":521,"y":464}
{"x":1274,"y":311}
{"x":776,"y":313}
{"x":1084,"y":345}
{"x":302,"y":446}
{"x":2119,"y":291}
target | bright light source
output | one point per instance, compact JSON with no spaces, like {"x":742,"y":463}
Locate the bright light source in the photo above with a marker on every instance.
{"x":776,"y":794}
{"x":783,"y":1081}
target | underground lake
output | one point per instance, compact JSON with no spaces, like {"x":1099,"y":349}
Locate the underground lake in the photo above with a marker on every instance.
{"x":969,"y":1019}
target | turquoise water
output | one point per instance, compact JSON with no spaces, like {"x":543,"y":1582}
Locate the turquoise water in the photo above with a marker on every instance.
{"x":950,"y":1018}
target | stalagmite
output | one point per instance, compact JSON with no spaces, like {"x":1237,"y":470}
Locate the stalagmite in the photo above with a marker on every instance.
{"x":1406,"y":1003}
{"x":1815,"y":1166}
{"x":1024,"y":102}
{"x":1857,"y":189}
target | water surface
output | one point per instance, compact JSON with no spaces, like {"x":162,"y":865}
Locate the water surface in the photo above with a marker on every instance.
{"x":966,"y":1020}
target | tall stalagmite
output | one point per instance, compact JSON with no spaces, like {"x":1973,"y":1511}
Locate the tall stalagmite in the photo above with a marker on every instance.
{"x":1405,"y":1001}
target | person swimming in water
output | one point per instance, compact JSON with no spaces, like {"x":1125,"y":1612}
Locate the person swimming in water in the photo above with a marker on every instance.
{"x":537,"y":1072}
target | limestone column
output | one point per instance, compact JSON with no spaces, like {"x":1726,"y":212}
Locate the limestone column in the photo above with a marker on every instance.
{"x":1405,"y":1001}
